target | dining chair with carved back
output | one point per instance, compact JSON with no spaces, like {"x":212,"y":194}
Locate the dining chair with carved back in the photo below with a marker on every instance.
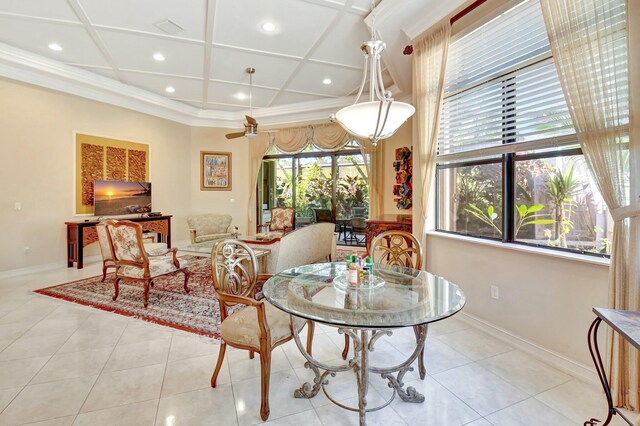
{"x":257,"y":326}
{"x":397,"y":248}
{"x":133,"y":263}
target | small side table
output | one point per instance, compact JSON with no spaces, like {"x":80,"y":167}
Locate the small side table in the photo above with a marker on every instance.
{"x":625,"y":323}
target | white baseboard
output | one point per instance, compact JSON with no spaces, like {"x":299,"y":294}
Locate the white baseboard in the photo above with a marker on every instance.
{"x":44,"y":267}
{"x":54,"y":265}
{"x":561,"y":362}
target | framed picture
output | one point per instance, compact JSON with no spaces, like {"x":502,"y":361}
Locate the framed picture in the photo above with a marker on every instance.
{"x":215,"y":171}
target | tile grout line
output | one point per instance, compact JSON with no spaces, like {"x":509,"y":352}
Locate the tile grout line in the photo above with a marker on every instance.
{"x":43,"y":365}
{"x":101,"y":371}
{"x":166,"y":364}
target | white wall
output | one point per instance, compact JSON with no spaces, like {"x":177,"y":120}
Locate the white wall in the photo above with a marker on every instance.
{"x":212,"y":139}
{"x":545,"y":299}
{"x":37,"y":168}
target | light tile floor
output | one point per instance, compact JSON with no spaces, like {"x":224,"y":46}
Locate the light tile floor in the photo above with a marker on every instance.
{"x":65,"y":364}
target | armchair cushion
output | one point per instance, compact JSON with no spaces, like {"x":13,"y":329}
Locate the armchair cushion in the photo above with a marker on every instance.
{"x":158,"y":265}
{"x":242,"y":327}
{"x":154,"y":249}
{"x":207,"y":227}
{"x":270,"y":235}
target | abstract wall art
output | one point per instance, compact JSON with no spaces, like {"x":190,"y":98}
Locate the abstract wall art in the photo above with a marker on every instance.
{"x":99,"y":158}
{"x":403,"y":187}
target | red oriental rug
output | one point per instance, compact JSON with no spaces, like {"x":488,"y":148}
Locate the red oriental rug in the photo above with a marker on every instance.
{"x":197,"y":312}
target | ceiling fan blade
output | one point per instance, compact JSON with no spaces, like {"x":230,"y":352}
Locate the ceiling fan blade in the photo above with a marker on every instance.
{"x":234,"y":135}
{"x":251,"y":120}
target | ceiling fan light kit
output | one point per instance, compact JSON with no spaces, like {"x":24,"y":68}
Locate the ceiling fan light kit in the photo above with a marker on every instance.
{"x":251,"y":126}
{"x":381,"y":116}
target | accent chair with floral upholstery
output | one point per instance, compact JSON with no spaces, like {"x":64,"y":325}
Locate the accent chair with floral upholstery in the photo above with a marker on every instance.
{"x":209,"y":227}
{"x":151,"y":248}
{"x":257,"y":326}
{"x":133,"y":263}
{"x":283,"y":221}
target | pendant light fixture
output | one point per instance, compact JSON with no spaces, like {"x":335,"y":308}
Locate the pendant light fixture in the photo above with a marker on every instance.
{"x":381,"y":116}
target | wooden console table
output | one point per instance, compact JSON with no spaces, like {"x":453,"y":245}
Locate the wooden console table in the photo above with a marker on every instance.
{"x":625,"y":323}
{"x":85,"y":232}
{"x":387,"y":222}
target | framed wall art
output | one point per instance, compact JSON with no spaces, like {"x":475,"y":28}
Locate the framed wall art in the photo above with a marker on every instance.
{"x":215,"y":171}
{"x":99,"y":158}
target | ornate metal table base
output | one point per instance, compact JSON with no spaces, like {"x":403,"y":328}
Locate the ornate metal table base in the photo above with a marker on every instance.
{"x":363,"y":341}
{"x":597,"y":360}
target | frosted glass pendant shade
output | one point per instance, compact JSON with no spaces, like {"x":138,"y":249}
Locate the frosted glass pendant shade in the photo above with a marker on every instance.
{"x":361,"y":119}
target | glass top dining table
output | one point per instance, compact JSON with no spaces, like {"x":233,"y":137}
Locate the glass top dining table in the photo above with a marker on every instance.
{"x":397,"y":297}
{"x":402,"y":296}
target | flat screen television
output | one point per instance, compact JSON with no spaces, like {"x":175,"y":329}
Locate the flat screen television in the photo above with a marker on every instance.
{"x":115,"y":197}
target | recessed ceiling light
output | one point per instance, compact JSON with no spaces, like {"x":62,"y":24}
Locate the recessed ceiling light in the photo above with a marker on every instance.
{"x":326,"y":81}
{"x":241,"y":96}
{"x":55,"y":46}
{"x":158,"y":57}
{"x":269,"y":27}
{"x":170,"y":89}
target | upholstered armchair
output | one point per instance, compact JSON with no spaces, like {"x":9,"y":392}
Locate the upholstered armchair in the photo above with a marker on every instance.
{"x":209,"y":227}
{"x":258,"y":326}
{"x":283,"y":221}
{"x":152,"y":248}
{"x":133,"y":263}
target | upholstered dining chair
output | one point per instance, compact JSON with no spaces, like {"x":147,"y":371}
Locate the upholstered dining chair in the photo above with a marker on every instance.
{"x":152,"y":248}
{"x":258,"y":326}
{"x":133,"y":263}
{"x":283,"y":221}
{"x":397,"y":248}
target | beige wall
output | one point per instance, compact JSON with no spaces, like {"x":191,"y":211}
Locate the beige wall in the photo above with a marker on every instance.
{"x":403,"y":137}
{"x":212,"y":139}
{"x":544,"y":298}
{"x":36,"y":167}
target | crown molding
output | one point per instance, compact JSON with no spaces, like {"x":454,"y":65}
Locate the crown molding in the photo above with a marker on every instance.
{"x":18,"y":64}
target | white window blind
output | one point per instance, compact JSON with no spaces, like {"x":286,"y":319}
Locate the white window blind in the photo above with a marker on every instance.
{"x":501,"y":88}
{"x":502,"y":92}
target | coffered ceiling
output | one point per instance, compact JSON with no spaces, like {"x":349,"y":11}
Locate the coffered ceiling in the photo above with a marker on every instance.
{"x":108,"y":52}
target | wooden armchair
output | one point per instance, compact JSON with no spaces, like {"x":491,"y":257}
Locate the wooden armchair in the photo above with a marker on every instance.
{"x":283,"y":221}
{"x":258,"y":326}
{"x":151,"y":247}
{"x":133,"y":263}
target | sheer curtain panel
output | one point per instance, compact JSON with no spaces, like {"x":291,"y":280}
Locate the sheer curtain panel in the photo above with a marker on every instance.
{"x":429,"y":64}
{"x":589,"y":40}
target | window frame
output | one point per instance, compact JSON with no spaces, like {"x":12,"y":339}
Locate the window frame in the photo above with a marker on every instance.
{"x":312,"y":154}
{"x":508,"y":162}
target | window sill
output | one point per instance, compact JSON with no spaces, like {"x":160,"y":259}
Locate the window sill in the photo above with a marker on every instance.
{"x":519,"y":247}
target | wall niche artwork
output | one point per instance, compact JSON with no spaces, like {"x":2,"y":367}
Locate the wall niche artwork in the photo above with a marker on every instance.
{"x":99,"y":158}
{"x":403,"y":188}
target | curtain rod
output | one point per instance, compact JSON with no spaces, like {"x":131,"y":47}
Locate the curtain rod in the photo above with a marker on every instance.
{"x":466,"y":10}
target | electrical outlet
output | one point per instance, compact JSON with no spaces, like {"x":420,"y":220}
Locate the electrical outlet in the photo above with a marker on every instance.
{"x":17,"y":206}
{"x":26,"y":250}
{"x":495,"y":292}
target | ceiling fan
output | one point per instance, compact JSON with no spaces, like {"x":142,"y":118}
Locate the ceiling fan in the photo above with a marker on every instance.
{"x":251,"y":126}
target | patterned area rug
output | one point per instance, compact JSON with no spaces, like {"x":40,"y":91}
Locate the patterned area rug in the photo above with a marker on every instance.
{"x":197,"y":312}
{"x":343,"y":251}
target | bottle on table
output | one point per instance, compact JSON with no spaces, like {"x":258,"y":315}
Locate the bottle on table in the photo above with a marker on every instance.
{"x":354,"y":274}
